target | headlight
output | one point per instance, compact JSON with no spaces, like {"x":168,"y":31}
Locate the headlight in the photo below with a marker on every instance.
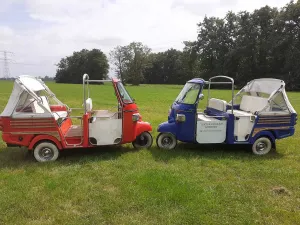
{"x":180,"y":117}
{"x":135,"y":117}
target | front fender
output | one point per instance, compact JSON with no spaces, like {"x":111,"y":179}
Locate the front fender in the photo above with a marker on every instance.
{"x":167,"y":127}
{"x":142,"y":127}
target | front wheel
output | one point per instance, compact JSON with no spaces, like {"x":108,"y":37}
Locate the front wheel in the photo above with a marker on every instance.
{"x":166,"y":141}
{"x":144,"y":140}
{"x":45,"y":151}
{"x":262,"y":146}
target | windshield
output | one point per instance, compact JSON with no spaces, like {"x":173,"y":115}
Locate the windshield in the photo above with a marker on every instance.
{"x":123,"y":93}
{"x":189,"y":93}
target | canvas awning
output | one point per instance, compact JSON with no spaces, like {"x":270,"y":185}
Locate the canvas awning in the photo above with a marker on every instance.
{"x":23,"y":83}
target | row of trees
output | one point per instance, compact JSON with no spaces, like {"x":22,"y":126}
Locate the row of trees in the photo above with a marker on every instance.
{"x":244,"y":45}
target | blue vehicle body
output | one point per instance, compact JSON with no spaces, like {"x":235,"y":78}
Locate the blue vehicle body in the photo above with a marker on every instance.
{"x":274,"y":124}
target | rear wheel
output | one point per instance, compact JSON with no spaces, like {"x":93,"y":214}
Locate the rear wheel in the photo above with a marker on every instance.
{"x":144,"y":140}
{"x":262,"y":146}
{"x":45,"y":151}
{"x":166,"y":141}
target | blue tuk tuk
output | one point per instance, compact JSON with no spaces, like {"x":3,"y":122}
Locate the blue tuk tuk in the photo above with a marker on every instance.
{"x":257,"y":115}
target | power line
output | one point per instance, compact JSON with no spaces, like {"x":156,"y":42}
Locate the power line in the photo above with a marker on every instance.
{"x":6,"y":71}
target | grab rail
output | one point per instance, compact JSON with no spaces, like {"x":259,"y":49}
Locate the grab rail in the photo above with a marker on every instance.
{"x":221,"y":76}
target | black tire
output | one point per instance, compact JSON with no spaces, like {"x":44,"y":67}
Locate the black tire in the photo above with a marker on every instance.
{"x":45,"y":152}
{"x":262,"y":146}
{"x":166,"y":141}
{"x":144,"y":140}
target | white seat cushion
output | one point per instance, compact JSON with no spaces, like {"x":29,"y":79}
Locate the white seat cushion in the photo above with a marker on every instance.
{"x":60,"y":114}
{"x":217,"y":104}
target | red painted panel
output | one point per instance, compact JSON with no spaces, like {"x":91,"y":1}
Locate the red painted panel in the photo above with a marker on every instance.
{"x":142,"y":127}
{"x":65,"y":126}
{"x":44,"y":138}
{"x":17,"y":139}
{"x":74,"y":141}
{"x":55,"y":108}
{"x":129,"y":127}
{"x":85,"y":123}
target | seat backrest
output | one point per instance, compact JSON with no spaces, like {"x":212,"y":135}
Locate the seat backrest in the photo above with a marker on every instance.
{"x":217,"y":104}
{"x":89,"y":105}
{"x":253,"y":103}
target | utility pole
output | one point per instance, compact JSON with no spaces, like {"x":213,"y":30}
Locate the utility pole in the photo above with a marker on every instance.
{"x":6,"y":60}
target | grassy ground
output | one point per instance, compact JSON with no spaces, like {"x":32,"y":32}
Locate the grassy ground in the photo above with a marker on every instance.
{"x":191,"y":185}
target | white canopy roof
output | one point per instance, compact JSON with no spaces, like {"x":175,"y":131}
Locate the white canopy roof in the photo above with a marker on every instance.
{"x":31,"y":83}
{"x":264,"y":85}
{"x":23,"y":83}
{"x":275,"y":90}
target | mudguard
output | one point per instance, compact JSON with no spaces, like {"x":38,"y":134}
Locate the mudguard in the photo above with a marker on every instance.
{"x":142,"y":127}
{"x":44,"y":138}
{"x":167,"y":127}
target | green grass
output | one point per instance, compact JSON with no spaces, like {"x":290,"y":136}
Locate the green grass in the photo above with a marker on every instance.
{"x":117,"y":185}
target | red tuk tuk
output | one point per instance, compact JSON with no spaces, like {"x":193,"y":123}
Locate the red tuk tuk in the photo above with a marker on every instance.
{"x":36,"y":119}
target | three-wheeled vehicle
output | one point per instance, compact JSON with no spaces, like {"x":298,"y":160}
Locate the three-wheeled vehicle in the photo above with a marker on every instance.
{"x":257,"y":115}
{"x":36,"y":119}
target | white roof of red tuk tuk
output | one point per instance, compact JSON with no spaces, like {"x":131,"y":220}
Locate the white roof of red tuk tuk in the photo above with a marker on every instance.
{"x":23,"y":83}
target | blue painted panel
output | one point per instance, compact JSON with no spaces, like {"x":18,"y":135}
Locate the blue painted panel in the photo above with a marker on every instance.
{"x":230,"y":129}
{"x":186,"y":130}
{"x":214,"y":112}
{"x":269,"y":134}
{"x":276,"y":127}
{"x":167,"y":127}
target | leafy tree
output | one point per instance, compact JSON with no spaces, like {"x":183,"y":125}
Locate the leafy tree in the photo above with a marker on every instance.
{"x":165,"y":68}
{"x":130,"y":62}
{"x":71,"y":68}
{"x":118,"y":57}
{"x":137,"y":60}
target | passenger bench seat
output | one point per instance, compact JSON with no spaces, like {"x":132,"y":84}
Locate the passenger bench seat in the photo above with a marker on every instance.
{"x":249,"y":105}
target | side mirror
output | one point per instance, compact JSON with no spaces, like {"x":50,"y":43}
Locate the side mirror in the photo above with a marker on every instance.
{"x":201,"y":96}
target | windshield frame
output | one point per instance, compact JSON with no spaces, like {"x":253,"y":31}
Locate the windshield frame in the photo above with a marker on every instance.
{"x":185,"y":89}
{"x":120,"y":87}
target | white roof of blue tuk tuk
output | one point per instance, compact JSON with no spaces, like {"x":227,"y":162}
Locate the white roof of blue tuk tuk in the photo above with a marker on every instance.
{"x":270,"y":86}
{"x":264,"y":85}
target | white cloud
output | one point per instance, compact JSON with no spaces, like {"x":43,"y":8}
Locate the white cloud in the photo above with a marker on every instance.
{"x":70,"y":25}
{"x":6,"y":33}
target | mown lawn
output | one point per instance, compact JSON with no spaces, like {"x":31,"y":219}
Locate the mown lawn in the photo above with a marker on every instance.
{"x":118,"y":185}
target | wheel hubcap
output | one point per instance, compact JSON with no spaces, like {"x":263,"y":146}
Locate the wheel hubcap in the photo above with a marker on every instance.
{"x":46,"y":153}
{"x":261,"y":146}
{"x":166,"y":141}
{"x":142,"y":141}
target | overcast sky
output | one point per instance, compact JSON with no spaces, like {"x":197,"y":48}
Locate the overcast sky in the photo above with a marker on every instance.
{"x":41,"y":32}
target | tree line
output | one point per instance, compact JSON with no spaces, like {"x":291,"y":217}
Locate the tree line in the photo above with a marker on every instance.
{"x":243,"y":45}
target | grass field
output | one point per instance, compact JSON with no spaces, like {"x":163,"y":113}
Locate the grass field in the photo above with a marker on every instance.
{"x":118,"y":185}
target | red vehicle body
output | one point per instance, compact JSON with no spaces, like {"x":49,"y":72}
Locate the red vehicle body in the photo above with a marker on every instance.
{"x":36,"y":119}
